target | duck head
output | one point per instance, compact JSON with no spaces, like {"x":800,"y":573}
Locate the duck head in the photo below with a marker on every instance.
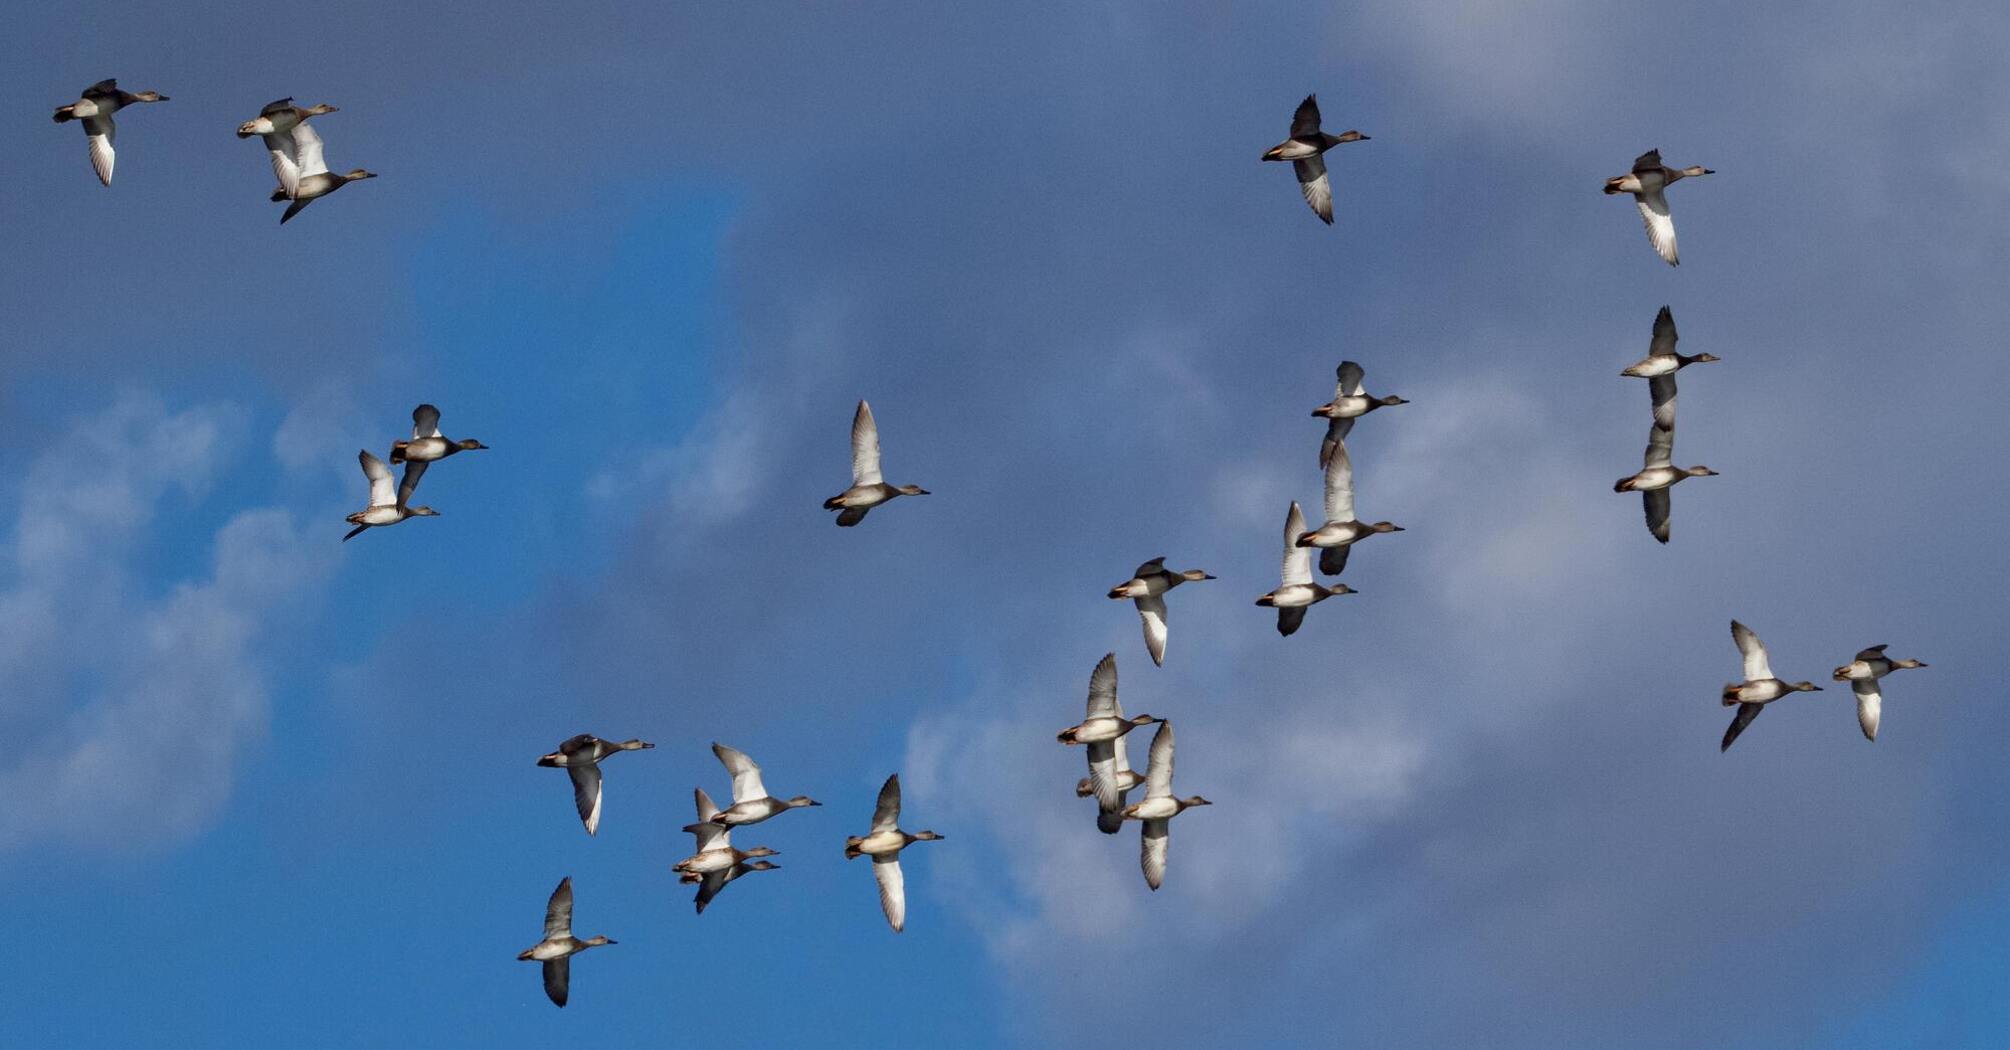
{"x":803,"y":800}
{"x":1805,"y":687}
{"x":1196,"y":575}
{"x":1700,"y":472}
{"x":911,"y":490}
{"x":469,"y":445}
{"x":1386,"y":526}
{"x":1187,"y":803}
{"x":1349,"y":135}
{"x":422,"y":512}
{"x":762,"y":851}
{"x":596,"y":942}
{"x":358,"y":175}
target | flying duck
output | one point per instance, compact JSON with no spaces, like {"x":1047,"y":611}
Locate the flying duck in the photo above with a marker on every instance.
{"x":1662,"y":362}
{"x":883,"y":844}
{"x":1349,"y":404}
{"x":1759,"y":687}
{"x":580,"y":757}
{"x":1306,"y":149}
{"x":95,"y":109}
{"x":751,"y":801}
{"x":714,"y":843}
{"x":1341,"y":530}
{"x":274,"y":124}
{"x":868,"y":489}
{"x":1862,"y":674}
{"x":1659,"y":474}
{"x":559,"y":945}
{"x":388,"y":506}
{"x":311,"y":178}
{"x":1100,"y":731}
{"x":1158,"y":808}
{"x":427,"y":444}
{"x":1646,"y":182}
{"x":1109,"y":820}
{"x":1147,"y":588}
{"x":1298,"y":590}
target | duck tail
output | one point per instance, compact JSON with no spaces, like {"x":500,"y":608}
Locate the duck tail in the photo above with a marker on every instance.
{"x":1731,"y":693}
{"x":66,"y":113}
{"x":1612,"y":186}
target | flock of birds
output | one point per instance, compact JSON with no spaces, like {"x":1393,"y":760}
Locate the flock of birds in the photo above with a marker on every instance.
{"x":303,"y":177}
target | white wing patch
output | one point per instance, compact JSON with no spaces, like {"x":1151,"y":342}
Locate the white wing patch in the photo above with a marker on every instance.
{"x":1297,"y":568}
{"x":307,"y":151}
{"x":1660,"y":225}
{"x":1152,"y":610}
{"x":1316,"y":186}
{"x":892,"y":890}
{"x":1869,"y":706}
{"x":865,"y":447}
{"x":1340,"y":485}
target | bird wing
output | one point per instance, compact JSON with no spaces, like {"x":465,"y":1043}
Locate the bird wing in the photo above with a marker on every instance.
{"x":1660,"y":225}
{"x":1317,"y":187}
{"x":1648,"y":161}
{"x":1746,"y":712}
{"x":425,"y":422}
{"x":383,"y":492}
{"x":280,"y":106}
{"x":1333,"y":560}
{"x":1103,"y":688}
{"x":414,"y":470}
{"x":283,"y":147}
{"x":1869,"y":706}
{"x":886,"y":812}
{"x":1660,"y":446}
{"x":1336,"y":432}
{"x":1297,"y":566}
{"x":1757,"y":667}
{"x":1663,"y":344}
{"x":1159,"y":772}
{"x":1290,"y":619}
{"x":1349,"y":374}
{"x":1103,"y":774}
{"x":1658,"y":504}
{"x":307,"y":150}
{"x":558,"y":911}
{"x":747,"y":785}
{"x":1150,"y":568}
{"x":1152,"y":610}
{"x":586,"y":794}
{"x":1305,"y":122}
{"x":102,"y":132}
{"x":708,"y":836}
{"x":892,"y":889}
{"x":1340,"y":485}
{"x":1661,"y":392}
{"x":1152,"y":851}
{"x":558,"y":979}
{"x":1873,"y":652}
{"x":864,"y":447}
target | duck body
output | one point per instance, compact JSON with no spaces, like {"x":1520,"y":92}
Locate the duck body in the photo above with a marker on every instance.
{"x":751,"y":801}
{"x":868,"y":487}
{"x":1146,"y":589}
{"x":1306,"y":150}
{"x":1862,"y":674}
{"x":1344,"y":533}
{"x":580,"y":757}
{"x":1651,"y":479}
{"x":883,"y":844}
{"x":720,"y":859}
{"x":1647,"y":183}
{"x":1759,"y":688}
{"x":95,"y":109}
{"x":1665,"y":364}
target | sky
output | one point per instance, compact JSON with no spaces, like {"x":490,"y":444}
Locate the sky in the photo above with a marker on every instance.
{"x":266,"y":787}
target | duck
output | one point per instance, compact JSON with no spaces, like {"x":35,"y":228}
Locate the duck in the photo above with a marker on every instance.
{"x":1662,"y":362}
{"x":274,"y":124}
{"x":95,"y":109}
{"x":1862,"y":674}
{"x":715,"y":850}
{"x":312,"y":179}
{"x":1110,"y":821}
{"x":1298,"y":591}
{"x":1655,"y":478}
{"x":883,"y":844}
{"x":559,"y":945}
{"x":751,"y":801}
{"x":710,"y":883}
{"x":1349,"y":403}
{"x":388,"y":506}
{"x":1158,"y":808}
{"x":427,"y":444}
{"x":1341,"y":530}
{"x":1100,"y":731}
{"x":1759,"y":687}
{"x":1146,"y":588}
{"x":1306,"y":149}
{"x":1647,"y":182}
{"x":868,"y":489}
{"x":580,"y":757}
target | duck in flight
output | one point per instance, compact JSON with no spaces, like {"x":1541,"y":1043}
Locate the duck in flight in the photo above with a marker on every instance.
{"x":580,"y":757}
{"x":751,"y":801}
{"x":1158,"y":808}
{"x":95,"y":109}
{"x":388,"y":505}
{"x":715,"y":862}
{"x":1147,"y":588}
{"x":559,"y":945}
{"x":1306,"y":150}
{"x":1759,"y":687}
{"x":1298,"y":591}
{"x":428,"y":445}
{"x":883,"y":844}
{"x":307,"y":170}
{"x":274,"y":125}
{"x":868,"y":489}
{"x":1100,"y":732}
{"x":1862,"y":674}
{"x":1341,"y":530}
{"x":1349,"y":403}
{"x":1647,"y":182}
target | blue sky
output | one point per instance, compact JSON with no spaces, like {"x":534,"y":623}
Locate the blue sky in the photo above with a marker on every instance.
{"x":266,"y":786}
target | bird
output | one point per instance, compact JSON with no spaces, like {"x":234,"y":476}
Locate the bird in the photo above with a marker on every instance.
{"x":1100,"y":730}
{"x":1298,"y":591}
{"x":580,"y":757}
{"x":1657,"y":476}
{"x":95,"y":109}
{"x":1158,"y":808}
{"x":274,"y":124}
{"x":1306,"y":149}
{"x":883,"y":844}
{"x":1108,"y":821}
{"x":751,"y":801}
{"x":1349,"y":404}
{"x":427,"y":445}
{"x":1862,"y":674}
{"x":868,"y":489}
{"x":1341,"y":530}
{"x":312,"y":179}
{"x":559,"y":945}
{"x":1662,"y":362}
{"x":1146,"y":588}
{"x":1646,"y":182}
{"x":388,"y":506}
{"x":1759,"y":687}
{"x":714,"y":844}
